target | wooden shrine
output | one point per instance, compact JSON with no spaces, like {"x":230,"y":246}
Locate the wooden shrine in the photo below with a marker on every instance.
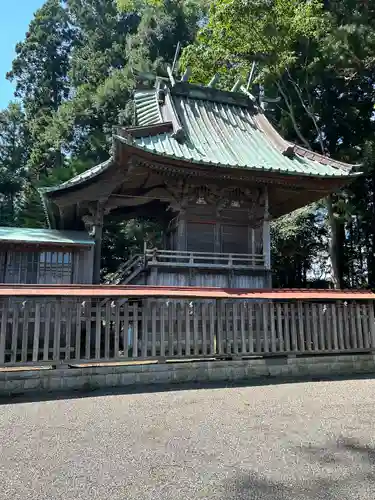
{"x":209,"y":166}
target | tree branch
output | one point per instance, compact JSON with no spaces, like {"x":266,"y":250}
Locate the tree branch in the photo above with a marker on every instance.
{"x":292,"y":115}
{"x":307,"y":109}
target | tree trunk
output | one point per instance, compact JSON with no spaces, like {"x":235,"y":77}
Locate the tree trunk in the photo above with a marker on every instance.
{"x":371,"y":242}
{"x":352,"y":275}
{"x":335,"y":250}
{"x":333,"y":246}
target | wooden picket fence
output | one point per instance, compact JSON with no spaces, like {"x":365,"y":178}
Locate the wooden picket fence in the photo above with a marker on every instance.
{"x":62,"y":329}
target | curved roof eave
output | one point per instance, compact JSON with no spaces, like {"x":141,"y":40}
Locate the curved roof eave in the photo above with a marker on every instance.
{"x":78,"y":179}
{"x":155,"y":154}
{"x":93,"y":172}
{"x":304,"y":152}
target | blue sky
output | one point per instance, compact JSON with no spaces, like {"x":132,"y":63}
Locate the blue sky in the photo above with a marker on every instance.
{"x":15,"y":16}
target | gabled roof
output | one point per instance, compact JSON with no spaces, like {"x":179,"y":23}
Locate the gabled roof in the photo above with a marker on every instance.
{"x":182,"y":126}
{"x":147,"y":107}
{"x":221,"y":129}
{"x":207,"y":126}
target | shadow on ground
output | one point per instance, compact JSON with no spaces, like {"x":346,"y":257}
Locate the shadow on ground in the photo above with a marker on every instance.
{"x":144,"y":389}
{"x":356,"y":460}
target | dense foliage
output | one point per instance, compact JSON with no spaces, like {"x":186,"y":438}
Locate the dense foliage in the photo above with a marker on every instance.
{"x":318,"y":57}
{"x":74,"y":75}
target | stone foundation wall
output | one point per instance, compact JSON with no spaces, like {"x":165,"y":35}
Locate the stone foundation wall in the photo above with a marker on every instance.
{"x":135,"y":375}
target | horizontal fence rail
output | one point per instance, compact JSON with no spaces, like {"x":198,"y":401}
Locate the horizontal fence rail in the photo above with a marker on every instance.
{"x":204,"y":259}
{"x":59,"y":329}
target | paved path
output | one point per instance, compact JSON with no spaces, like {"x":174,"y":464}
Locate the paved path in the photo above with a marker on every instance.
{"x":277,"y":442}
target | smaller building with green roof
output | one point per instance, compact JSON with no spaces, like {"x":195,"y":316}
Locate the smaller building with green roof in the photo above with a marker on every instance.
{"x":45,"y":256}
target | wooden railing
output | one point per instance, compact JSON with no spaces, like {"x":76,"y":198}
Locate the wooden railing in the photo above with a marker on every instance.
{"x":179,"y":259}
{"x":127,"y":271}
{"x":73,"y":328}
{"x":204,"y":259}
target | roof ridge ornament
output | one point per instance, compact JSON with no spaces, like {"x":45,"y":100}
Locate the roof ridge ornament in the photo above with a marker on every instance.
{"x":178,"y":130}
{"x":185,"y":77}
{"x":147,"y":75}
{"x":251,"y":75}
{"x":171,"y":77}
{"x":177,"y":53}
{"x":289,"y":151}
{"x":237,"y":86}
{"x":214,"y":80}
{"x":249,"y":95}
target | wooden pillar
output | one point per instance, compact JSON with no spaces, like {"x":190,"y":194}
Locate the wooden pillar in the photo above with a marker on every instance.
{"x":182,"y":232}
{"x":98,"y":247}
{"x":266,"y":232}
{"x":94,"y":224}
{"x":218,"y":237}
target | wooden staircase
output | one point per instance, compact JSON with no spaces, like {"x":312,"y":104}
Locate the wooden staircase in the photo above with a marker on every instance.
{"x":127,"y":271}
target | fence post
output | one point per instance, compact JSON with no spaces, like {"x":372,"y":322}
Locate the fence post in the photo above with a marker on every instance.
{"x":212,"y":323}
{"x":35,"y":329}
{"x":98,"y":328}
{"x":372,"y":324}
{"x":57,"y":331}
{"x":219,"y":330}
{"x":36,"y":332}
{"x":135,"y":330}
{"x":301,"y":327}
{"x":77,"y":353}
{"x":3,"y":331}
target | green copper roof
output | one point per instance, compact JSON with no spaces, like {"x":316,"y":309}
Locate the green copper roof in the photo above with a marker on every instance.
{"x":146,"y":107}
{"x":79,"y":179}
{"x":208,"y":126}
{"x":223,"y":134}
{"x":48,"y":236}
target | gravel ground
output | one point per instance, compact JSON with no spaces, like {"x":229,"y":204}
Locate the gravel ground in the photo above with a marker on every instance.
{"x":311,"y":440}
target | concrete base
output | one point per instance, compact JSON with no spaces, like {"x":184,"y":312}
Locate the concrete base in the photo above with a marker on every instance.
{"x":99,"y":377}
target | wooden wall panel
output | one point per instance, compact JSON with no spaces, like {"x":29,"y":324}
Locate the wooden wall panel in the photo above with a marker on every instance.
{"x":204,"y":278}
{"x":200,"y":237}
{"x":47,"y":266}
{"x":234,"y":239}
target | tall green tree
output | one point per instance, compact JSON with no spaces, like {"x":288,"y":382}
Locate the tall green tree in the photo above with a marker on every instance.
{"x":42,"y":60}
{"x":40,"y":73}
{"x":14,"y":147}
{"x":163,"y":23}
{"x":100,"y":78}
{"x":299,"y":249}
{"x":317,"y":56}
{"x":101,"y":41}
{"x":110,"y":46}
